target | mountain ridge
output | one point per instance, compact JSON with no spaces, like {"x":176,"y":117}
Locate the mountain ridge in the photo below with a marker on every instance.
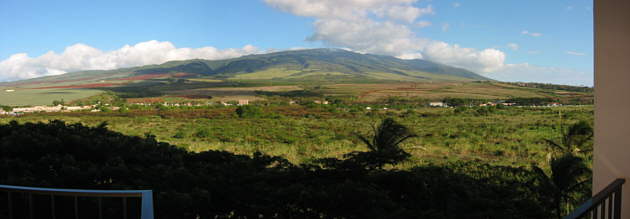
{"x":324,"y":64}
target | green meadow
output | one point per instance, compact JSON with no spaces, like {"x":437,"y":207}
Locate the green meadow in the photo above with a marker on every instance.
{"x":511,"y":136}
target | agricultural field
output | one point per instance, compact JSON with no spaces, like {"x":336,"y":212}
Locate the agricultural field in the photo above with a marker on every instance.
{"x":513,"y":136}
{"x":32,"y":97}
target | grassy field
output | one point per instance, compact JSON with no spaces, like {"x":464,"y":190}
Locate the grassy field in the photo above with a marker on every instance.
{"x":26,"y":97}
{"x":247,"y":87}
{"x":512,"y":136}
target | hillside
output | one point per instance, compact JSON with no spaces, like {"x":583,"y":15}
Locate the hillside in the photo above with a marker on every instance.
{"x":337,"y":71}
{"x":332,"y":65}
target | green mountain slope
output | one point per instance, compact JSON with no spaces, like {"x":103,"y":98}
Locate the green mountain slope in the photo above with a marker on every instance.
{"x":333,"y":65}
{"x":321,"y":64}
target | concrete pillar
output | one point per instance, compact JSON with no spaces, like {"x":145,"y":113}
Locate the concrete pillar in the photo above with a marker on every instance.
{"x":612,"y":96}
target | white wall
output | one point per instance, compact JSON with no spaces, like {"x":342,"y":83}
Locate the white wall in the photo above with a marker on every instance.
{"x":612,"y":96}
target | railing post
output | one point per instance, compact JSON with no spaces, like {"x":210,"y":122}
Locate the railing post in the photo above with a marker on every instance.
{"x":147,"y":205}
{"x":591,"y":208}
{"x":10,"y":205}
{"x":52,"y":206}
{"x":618,"y":204}
{"x":27,"y":194}
{"x":603,"y":207}
{"x":30,"y":206}
{"x":124,"y":202}
{"x":610,"y":208}
{"x":100,"y":208}
{"x":76,"y":207}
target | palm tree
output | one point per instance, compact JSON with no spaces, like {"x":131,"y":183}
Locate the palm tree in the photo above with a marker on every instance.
{"x":568,"y":174}
{"x":574,"y":139}
{"x":384,"y":145}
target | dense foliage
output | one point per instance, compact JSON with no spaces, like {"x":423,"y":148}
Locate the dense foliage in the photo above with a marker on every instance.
{"x":216,"y":184}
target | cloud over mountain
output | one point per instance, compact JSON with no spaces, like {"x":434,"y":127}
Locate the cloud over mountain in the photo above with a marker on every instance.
{"x":80,"y":57}
{"x":385,"y":27}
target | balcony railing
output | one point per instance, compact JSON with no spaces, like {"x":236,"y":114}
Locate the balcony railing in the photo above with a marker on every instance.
{"x":605,"y":204}
{"x":30,"y":209}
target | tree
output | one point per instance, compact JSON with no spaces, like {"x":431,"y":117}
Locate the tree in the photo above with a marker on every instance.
{"x":574,"y":139}
{"x":567,"y":174}
{"x":58,"y":102}
{"x":384,"y":145}
{"x":248,"y":111}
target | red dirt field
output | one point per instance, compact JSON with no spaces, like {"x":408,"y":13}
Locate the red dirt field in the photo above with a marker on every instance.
{"x":195,"y":96}
{"x":150,"y":76}
{"x":145,"y":100}
{"x":80,"y":86}
{"x":142,"y":77}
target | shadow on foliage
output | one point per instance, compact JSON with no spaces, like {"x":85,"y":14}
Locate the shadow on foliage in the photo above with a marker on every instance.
{"x":217,"y":184}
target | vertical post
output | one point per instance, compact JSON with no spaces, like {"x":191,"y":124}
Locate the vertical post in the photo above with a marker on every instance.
{"x":100,"y":208}
{"x":52,"y":206}
{"x":76,"y":207}
{"x":603,"y":213}
{"x":124,"y":202}
{"x":594,"y":213}
{"x":10,"y":205}
{"x":30,"y":205}
{"x":610,"y":207}
{"x":618,"y":204}
{"x":147,"y":205}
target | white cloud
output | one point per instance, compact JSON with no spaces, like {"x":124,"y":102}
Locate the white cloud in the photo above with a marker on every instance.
{"x":445,"y":27}
{"x":486,"y":60}
{"x":513,"y":46}
{"x":533,"y":34}
{"x":457,"y":5}
{"x":423,"y":24}
{"x":385,"y":27}
{"x":80,"y":57}
{"x":574,"y":53}
{"x":404,"y":13}
{"x":525,"y":72}
{"x":410,"y":56}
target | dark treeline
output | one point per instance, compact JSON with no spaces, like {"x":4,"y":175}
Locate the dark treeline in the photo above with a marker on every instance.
{"x":554,"y":86}
{"x":217,"y":184}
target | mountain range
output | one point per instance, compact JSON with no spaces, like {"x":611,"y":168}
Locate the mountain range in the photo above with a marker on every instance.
{"x":326,"y":65}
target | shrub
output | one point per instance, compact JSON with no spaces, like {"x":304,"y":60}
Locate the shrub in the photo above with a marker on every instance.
{"x":249,"y":111}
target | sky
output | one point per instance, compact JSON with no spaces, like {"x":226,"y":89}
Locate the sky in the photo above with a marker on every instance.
{"x":509,"y":40}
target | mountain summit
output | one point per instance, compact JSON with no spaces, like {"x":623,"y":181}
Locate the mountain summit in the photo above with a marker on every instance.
{"x":324,"y":65}
{"x":320,"y":64}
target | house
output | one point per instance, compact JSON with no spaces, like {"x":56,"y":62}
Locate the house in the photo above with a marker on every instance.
{"x":437,"y":104}
{"x":554,"y":104}
{"x":243,"y":102}
{"x":488,"y":104}
{"x":38,"y":109}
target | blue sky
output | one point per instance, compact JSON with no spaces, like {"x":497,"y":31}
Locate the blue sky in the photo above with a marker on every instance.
{"x":534,"y":40}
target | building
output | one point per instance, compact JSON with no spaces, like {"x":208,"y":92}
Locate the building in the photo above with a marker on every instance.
{"x":243,"y":102}
{"x":437,"y":104}
{"x":611,"y":150}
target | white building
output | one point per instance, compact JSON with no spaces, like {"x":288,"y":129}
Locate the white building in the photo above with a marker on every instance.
{"x":437,"y":104}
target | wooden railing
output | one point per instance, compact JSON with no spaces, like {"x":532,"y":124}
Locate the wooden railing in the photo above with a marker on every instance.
{"x":52,"y":210}
{"x":605,"y":204}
